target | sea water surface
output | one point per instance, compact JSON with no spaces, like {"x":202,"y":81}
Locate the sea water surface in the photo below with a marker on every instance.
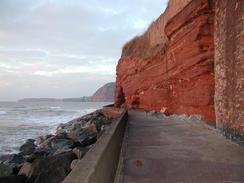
{"x":20,"y":121}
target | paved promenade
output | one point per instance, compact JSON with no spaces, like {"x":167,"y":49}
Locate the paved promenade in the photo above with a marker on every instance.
{"x":169,"y":151}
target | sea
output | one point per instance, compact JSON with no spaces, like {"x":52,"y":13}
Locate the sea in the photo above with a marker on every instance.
{"x":20,"y":121}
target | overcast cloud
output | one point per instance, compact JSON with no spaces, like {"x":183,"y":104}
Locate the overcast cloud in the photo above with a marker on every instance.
{"x":66,"y":48}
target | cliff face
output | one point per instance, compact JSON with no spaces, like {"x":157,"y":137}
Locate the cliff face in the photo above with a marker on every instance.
{"x":104,"y":94}
{"x":171,"y":67}
{"x":229,"y":67}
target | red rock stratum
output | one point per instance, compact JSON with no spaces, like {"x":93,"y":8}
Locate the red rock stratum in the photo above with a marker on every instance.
{"x":170,"y":68}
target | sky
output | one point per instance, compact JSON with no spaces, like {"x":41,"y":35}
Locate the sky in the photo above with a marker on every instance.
{"x":66,"y":48}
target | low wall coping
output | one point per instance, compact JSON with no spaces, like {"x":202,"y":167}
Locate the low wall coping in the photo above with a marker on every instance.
{"x":100,"y":164}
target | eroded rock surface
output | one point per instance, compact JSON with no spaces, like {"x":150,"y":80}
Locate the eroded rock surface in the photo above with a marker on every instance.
{"x":229,"y":66}
{"x":175,"y":74}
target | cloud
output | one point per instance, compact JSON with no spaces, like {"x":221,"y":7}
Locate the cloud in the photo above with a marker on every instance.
{"x":88,"y":70}
{"x":44,"y":43}
{"x":140,"y":24}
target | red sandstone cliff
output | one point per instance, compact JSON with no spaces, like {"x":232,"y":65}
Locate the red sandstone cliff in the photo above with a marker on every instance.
{"x":229,"y":67}
{"x":170,"y":68}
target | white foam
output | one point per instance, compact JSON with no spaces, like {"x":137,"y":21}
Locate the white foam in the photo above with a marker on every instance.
{"x":3,"y":112}
{"x":87,"y":111}
{"x":55,"y":107}
{"x":17,"y":125}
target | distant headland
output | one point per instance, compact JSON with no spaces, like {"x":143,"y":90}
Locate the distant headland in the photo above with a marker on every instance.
{"x":103,"y":94}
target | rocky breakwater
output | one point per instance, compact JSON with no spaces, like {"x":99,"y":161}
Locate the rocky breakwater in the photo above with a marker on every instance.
{"x":50,"y":158}
{"x":170,"y":68}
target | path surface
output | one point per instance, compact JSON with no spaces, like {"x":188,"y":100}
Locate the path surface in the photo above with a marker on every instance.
{"x":169,"y":151}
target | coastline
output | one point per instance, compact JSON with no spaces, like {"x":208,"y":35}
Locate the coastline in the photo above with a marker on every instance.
{"x":39,"y":159}
{"x":29,"y":120}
